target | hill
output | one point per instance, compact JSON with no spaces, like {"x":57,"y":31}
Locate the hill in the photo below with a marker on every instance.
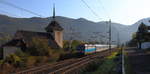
{"x":80,"y":29}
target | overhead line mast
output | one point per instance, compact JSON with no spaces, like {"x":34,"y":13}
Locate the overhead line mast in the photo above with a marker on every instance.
{"x":118,"y":39}
{"x":110,"y":35}
{"x":109,"y":22}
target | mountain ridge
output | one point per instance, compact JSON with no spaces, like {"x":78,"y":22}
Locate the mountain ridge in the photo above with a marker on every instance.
{"x":82,"y":28}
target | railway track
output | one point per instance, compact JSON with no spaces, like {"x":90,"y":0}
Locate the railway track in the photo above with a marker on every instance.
{"x":43,"y":67}
{"x":50,"y":67}
{"x":65,"y":66}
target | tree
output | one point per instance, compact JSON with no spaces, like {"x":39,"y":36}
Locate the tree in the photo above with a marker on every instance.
{"x":4,"y":38}
{"x":74,"y":44}
{"x":1,"y":53}
{"x":39,"y":47}
{"x":141,"y":34}
{"x":66,"y":45}
{"x":14,"y":60}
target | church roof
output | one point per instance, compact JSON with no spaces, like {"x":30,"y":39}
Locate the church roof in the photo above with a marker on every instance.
{"x":14,"y":42}
{"x":30,"y":34}
{"x":53,"y":25}
{"x":27,"y":36}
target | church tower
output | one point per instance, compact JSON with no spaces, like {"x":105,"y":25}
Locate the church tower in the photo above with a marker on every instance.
{"x":55,"y":30}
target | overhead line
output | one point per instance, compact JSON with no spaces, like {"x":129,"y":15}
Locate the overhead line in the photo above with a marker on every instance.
{"x":100,"y":2}
{"x":8,"y":13}
{"x":17,"y":7}
{"x":94,"y":13}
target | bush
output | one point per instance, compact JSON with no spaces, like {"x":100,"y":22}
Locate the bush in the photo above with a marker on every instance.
{"x":1,"y":53}
{"x":74,"y":44}
{"x":54,"y":57}
{"x":30,"y":61}
{"x":1,"y":62}
{"x":14,"y":60}
{"x":39,"y":47}
{"x":41,"y":59}
{"x":21,"y":54}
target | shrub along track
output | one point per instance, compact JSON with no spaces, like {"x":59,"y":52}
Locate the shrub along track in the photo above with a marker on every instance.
{"x":67,"y":66}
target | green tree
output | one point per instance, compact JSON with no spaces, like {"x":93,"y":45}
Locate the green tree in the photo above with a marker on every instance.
{"x":1,"y":53}
{"x":66,"y":45}
{"x":4,"y":38}
{"x":13,"y":60}
{"x":74,"y":44}
{"x":140,"y":35}
{"x":39,"y":47}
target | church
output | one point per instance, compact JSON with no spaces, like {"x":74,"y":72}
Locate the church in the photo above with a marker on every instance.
{"x":22,"y":38}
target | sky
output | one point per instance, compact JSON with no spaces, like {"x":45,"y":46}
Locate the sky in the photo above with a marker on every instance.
{"x":126,"y":12}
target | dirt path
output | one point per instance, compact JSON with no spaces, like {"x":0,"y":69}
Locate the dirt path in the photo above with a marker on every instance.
{"x":139,"y":61}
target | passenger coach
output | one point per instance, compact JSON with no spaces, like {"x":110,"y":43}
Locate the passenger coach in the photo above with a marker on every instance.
{"x":92,"y":48}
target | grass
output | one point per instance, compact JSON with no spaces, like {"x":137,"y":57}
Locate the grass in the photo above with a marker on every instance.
{"x":106,"y":67}
{"x":128,"y":67}
{"x":1,"y":62}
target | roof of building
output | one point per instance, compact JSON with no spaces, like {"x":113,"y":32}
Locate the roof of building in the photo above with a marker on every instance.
{"x":54,"y":25}
{"x":27,"y":37}
{"x":30,"y":34}
{"x":14,"y":42}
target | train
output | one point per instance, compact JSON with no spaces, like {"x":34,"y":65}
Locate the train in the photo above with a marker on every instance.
{"x":92,"y":48}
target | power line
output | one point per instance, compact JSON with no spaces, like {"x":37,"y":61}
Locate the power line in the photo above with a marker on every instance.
{"x":8,"y":13}
{"x":107,"y":14}
{"x":109,"y":23}
{"x":100,"y":2}
{"x":100,"y":18}
{"x":94,"y":13}
{"x":17,"y":7}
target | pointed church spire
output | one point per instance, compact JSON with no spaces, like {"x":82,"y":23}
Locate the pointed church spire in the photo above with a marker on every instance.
{"x":53,"y":11}
{"x":53,"y":25}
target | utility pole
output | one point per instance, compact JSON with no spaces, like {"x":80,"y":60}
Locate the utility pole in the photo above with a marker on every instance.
{"x":110,"y":35}
{"x":118,"y":39}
